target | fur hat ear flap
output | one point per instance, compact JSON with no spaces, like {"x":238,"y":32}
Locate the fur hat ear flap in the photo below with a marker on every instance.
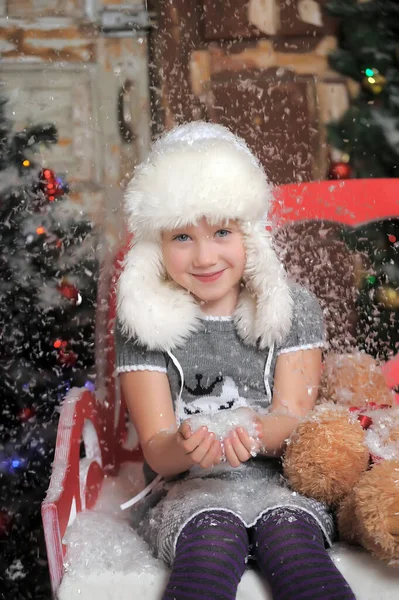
{"x":264,"y":311}
{"x":146,"y":298}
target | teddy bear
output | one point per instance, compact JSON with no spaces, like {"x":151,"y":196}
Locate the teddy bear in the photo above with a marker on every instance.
{"x":346,"y":453}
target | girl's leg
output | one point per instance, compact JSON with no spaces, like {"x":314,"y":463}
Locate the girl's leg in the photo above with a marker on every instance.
{"x":289,"y":547}
{"x":210,"y":559}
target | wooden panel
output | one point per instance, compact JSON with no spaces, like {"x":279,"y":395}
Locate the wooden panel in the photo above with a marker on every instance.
{"x":64,"y":97}
{"x":261,"y":56}
{"x":233,"y":19}
{"x":305,"y":17}
{"x":45,"y":8}
{"x":227,"y":20}
{"x":333,"y":100}
{"x":177,"y":35}
{"x":273,"y":114}
{"x":264,"y":55}
{"x":76,"y":9}
{"x":45,"y":42}
{"x":123,"y":60}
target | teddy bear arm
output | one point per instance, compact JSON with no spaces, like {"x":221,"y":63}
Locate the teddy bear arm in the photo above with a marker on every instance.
{"x":326,"y":457}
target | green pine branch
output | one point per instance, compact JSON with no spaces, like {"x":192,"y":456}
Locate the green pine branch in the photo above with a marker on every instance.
{"x":15,"y":147}
{"x":368,"y":53}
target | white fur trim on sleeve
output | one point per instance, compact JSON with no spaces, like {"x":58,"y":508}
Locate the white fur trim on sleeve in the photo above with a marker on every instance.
{"x":212,"y":318}
{"x":304,"y":347}
{"x":127,"y":368}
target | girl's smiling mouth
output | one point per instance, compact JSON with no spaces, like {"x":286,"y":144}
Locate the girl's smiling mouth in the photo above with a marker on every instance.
{"x":208,"y":277}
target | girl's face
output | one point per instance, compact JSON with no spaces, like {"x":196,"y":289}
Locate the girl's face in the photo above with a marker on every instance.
{"x":208,"y":261}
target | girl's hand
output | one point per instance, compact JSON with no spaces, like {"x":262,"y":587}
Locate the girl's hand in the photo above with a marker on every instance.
{"x":239,"y":446}
{"x":201,"y":446}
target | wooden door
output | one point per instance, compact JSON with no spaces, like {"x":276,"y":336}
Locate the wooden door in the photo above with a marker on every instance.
{"x":259,"y":66}
{"x":81,"y":65}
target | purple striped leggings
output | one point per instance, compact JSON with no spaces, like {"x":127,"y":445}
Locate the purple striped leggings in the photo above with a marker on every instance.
{"x":288,"y":546}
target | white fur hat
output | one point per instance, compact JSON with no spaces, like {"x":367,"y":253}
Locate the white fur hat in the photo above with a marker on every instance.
{"x":199,"y":170}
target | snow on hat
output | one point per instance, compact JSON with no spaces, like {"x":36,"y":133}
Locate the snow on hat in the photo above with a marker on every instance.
{"x":199,"y":170}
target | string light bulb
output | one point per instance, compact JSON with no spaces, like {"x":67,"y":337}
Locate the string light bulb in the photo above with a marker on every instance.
{"x":373,"y":80}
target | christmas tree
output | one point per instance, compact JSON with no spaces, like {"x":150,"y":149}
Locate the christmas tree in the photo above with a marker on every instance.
{"x":368,"y":137}
{"x":377,"y":247}
{"x":47,"y":305}
{"x":368,"y":52}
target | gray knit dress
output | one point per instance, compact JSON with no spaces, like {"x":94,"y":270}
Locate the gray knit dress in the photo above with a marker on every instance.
{"x":213,"y":371}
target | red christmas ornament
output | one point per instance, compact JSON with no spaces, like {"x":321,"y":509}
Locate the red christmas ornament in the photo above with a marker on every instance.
{"x":392,"y":238}
{"x":26,"y":413}
{"x":66,"y":357}
{"x":50,"y":185}
{"x":340,"y":170}
{"x":68,"y":290}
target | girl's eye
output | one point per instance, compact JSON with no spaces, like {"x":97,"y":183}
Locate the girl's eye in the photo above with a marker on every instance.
{"x":223,"y":232}
{"x":182,"y":237}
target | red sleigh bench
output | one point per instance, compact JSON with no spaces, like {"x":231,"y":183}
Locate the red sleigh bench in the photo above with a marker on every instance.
{"x":96,"y":422}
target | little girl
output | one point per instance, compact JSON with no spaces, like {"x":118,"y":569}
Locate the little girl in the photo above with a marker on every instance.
{"x":208,"y":322}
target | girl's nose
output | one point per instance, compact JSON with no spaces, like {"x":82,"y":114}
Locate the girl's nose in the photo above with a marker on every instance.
{"x":205,"y":254}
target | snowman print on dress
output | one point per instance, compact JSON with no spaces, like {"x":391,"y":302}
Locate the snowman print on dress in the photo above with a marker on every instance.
{"x":206,"y":403}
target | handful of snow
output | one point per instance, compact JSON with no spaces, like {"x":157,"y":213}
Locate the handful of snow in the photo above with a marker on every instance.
{"x":223,"y":422}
